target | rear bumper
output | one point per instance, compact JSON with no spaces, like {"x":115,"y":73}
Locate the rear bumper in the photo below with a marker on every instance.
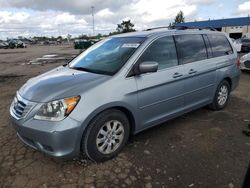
{"x":61,"y":140}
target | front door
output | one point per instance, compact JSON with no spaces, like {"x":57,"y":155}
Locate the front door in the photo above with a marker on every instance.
{"x":160,"y":94}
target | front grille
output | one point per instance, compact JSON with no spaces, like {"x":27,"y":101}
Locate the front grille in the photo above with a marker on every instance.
{"x":247,"y":64}
{"x":20,"y":107}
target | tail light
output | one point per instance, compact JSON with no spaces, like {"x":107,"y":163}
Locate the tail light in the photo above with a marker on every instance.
{"x":238,"y":63}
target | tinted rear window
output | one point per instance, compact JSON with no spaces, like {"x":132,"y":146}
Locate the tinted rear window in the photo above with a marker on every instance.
{"x":190,"y":48}
{"x":220,"y":45}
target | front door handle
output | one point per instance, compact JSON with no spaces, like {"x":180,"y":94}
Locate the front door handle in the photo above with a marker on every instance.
{"x":177,"y":75}
{"x":192,"y":71}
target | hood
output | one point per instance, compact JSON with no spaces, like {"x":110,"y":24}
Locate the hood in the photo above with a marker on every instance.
{"x":245,"y":57}
{"x":60,"y":83}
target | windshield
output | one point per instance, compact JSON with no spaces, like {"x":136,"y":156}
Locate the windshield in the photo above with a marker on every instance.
{"x":245,"y":40}
{"x":107,"y":56}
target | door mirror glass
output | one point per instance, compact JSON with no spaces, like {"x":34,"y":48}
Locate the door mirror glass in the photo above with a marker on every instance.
{"x":148,"y":66}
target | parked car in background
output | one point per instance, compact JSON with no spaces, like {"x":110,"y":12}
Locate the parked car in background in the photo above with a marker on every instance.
{"x":121,"y":86}
{"x":245,"y":44}
{"x":237,"y":44}
{"x":247,"y":35}
{"x":4,"y":45}
{"x":245,"y":62}
{"x":12,"y":44}
{"x":58,"y":41}
{"x":83,"y":43}
{"x":20,"y":44}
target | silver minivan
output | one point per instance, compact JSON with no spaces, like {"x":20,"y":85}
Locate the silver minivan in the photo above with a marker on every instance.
{"x":121,"y":86}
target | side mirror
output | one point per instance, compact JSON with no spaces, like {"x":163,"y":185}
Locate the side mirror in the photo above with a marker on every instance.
{"x":148,"y":66}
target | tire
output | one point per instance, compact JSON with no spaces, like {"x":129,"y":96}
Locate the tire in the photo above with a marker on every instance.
{"x":221,"y":97}
{"x":112,"y":123}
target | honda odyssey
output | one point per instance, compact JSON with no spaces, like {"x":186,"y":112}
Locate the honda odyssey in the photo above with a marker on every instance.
{"x":122,"y":85}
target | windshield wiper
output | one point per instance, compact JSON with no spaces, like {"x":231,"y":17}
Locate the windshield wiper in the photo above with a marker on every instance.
{"x":83,"y":69}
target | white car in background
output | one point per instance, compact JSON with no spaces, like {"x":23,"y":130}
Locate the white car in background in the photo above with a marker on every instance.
{"x":245,"y":62}
{"x":237,"y":44}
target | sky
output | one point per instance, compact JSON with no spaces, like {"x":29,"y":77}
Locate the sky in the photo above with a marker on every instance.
{"x":62,"y":17}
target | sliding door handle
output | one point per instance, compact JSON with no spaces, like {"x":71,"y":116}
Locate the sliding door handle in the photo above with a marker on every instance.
{"x":177,"y":75}
{"x":192,"y":71}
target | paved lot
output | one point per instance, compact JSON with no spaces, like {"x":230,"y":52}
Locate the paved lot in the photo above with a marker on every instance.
{"x":200,"y":149}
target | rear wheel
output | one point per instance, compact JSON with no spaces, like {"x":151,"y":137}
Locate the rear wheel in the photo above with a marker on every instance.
{"x":106,"y":135}
{"x":221,"y":96}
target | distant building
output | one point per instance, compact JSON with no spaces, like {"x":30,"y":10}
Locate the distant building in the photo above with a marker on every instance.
{"x":235,"y":27}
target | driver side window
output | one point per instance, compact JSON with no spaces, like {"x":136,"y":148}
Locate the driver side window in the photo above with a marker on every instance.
{"x":162,"y":51}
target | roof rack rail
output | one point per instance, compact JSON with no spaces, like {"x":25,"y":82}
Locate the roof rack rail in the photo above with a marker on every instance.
{"x":182,"y":28}
{"x":162,"y":27}
{"x":210,"y":28}
{"x":187,"y":27}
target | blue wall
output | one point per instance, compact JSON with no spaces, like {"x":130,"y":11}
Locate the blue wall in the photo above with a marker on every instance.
{"x":218,"y":23}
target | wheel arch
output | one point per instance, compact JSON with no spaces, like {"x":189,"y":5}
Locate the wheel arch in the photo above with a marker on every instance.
{"x":229,"y":80}
{"x":128,"y":111}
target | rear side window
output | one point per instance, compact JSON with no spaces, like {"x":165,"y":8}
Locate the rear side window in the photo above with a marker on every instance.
{"x":161,"y":51}
{"x":190,"y":48}
{"x":220,"y":45}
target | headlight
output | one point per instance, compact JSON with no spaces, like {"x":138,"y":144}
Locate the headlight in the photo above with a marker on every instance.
{"x":57,"y":110}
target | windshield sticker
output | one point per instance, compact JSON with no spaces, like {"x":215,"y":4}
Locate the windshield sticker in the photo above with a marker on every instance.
{"x":130,"y":45}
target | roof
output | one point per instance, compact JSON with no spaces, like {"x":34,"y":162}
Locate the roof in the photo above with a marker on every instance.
{"x":218,"y":23}
{"x":156,"y":32}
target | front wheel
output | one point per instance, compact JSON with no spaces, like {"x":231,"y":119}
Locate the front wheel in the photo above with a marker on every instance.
{"x":221,"y":96}
{"x":106,"y":135}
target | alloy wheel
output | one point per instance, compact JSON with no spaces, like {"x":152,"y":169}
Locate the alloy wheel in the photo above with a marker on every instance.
{"x":110,"y":137}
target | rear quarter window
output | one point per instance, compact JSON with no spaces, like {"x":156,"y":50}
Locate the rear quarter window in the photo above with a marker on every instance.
{"x":220,"y":45}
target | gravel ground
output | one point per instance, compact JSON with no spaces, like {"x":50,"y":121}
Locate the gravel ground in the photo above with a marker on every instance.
{"x":200,"y":149}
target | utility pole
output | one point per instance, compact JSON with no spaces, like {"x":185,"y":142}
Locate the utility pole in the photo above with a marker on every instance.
{"x":93,"y":19}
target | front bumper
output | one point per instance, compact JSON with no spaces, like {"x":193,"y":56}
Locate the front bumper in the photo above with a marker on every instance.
{"x":57,"y":139}
{"x":243,"y":65}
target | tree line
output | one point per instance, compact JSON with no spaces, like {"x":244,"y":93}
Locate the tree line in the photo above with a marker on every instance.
{"x":128,"y":26}
{"x":123,"y":27}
